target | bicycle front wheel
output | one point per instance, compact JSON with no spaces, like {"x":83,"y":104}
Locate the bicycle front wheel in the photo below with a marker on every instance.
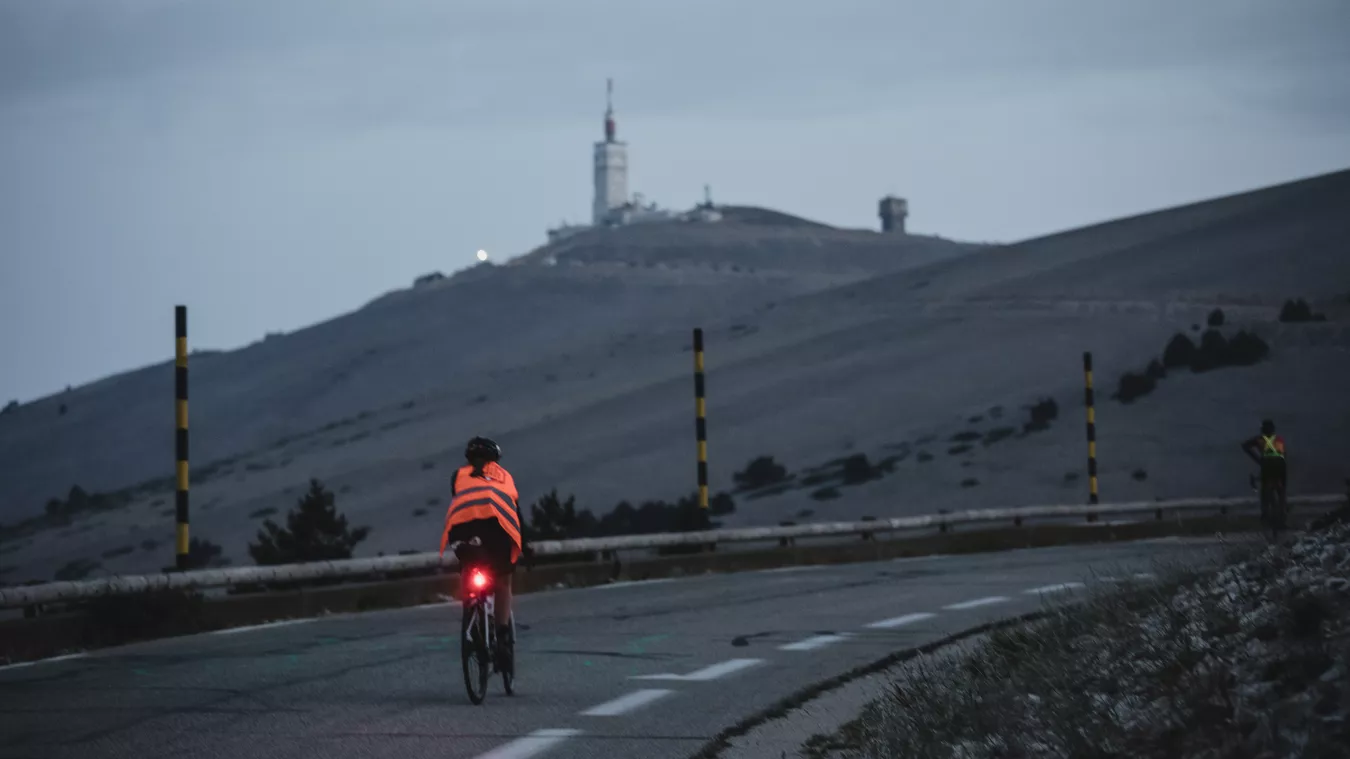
{"x":474,"y":654}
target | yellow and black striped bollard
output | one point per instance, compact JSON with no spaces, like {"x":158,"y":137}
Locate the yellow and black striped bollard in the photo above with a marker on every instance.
{"x":180,"y":394}
{"x":701,"y":424}
{"x":1090,"y":400}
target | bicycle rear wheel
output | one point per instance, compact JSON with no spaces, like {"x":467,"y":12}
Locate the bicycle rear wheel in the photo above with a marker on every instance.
{"x":474,"y":654}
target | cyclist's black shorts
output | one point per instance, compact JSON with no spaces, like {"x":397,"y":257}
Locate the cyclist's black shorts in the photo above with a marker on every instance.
{"x":496,"y":549}
{"x":1274,"y":471}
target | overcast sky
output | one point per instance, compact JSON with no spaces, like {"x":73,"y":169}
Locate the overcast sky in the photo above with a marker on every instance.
{"x":273,"y":163}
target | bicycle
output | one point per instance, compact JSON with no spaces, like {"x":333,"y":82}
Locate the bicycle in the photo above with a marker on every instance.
{"x":478,"y":629}
{"x":1274,"y":512}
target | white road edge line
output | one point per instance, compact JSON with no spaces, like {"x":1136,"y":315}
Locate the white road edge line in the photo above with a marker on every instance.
{"x":1053,"y":588}
{"x":810,"y":644}
{"x":64,"y":657}
{"x":624,"y":704}
{"x":886,"y":624}
{"x":794,"y":568}
{"x":536,"y":742}
{"x":707,"y":673}
{"x":986,"y":601}
{"x":630,"y":583}
{"x":263,"y":626}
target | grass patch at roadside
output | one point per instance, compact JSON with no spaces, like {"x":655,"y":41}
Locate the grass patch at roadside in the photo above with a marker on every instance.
{"x":1248,"y":657}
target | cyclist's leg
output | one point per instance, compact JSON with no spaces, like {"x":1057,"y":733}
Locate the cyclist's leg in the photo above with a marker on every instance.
{"x":499,"y":546}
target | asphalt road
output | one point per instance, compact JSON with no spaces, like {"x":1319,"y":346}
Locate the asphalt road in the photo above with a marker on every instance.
{"x":647,"y":669}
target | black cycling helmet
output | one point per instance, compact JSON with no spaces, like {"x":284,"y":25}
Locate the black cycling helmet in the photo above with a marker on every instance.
{"x":1267,"y":427}
{"x":482,"y":449}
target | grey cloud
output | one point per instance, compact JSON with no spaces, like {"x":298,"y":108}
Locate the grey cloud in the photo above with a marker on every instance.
{"x":452,"y":63}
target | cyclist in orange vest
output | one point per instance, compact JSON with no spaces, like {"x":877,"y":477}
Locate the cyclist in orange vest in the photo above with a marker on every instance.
{"x":484,"y":504}
{"x":1267,"y":450}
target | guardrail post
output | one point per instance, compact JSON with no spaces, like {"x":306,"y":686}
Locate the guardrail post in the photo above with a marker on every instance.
{"x":1158,"y":513}
{"x":1090,"y":401}
{"x":867,"y":535}
{"x":1017,"y":521}
{"x":785,"y":542}
{"x":701,"y":422}
{"x":181,"y":435}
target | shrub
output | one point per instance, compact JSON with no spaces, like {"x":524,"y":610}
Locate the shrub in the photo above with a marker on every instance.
{"x":314,"y":531}
{"x":759,"y":473}
{"x":969,"y":482}
{"x":1213,"y":352}
{"x":263,"y":512}
{"x":419,"y":512}
{"x":1180,"y":352}
{"x":1246,"y":349}
{"x":203,"y":554}
{"x":1134,"y":386}
{"x":965,"y":437}
{"x":113,"y":553}
{"x":1296,"y":311}
{"x":1043,"y":413}
{"x":554,"y":519}
{"x":826,"y":494}
{"x":924,"y":456}
{"x":997,"y":434}
{"x":721,"y":504}
{"x":957,"y":450}
{"x":77,"y":569}
{"x":1215,"y":318}
{"x":1139,"y":475}
{"x":9,"y":407}
{"x":857,"y":470}
{"x":1155,"y":370}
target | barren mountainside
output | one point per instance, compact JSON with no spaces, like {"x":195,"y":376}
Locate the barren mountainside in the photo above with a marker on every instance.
{"x":920,"y":353}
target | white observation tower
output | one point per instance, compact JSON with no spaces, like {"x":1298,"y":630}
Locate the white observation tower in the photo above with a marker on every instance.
{"x":611,"y":167}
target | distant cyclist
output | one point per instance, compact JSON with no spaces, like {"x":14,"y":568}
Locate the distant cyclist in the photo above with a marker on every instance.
{"x":484,"y":504}
{"x":1267,"y":450}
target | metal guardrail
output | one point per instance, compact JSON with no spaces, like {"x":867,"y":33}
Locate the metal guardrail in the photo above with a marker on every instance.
{"x":352,"y":568}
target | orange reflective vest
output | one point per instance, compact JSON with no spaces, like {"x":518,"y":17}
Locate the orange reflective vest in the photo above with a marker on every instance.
{"x":492,"y":495}
{"x":1273,"y":447}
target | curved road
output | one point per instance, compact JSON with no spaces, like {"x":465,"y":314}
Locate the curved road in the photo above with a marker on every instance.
{"x":645,"y":669}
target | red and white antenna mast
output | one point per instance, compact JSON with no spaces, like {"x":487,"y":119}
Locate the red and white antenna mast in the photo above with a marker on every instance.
{"x":609,"y":110}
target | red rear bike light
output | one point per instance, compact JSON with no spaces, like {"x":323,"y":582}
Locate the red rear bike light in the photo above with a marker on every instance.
{"x":478,"y":580}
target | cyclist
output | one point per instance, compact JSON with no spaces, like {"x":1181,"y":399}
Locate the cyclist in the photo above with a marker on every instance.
{"x":484,"y":505}
{"x":1267,"y":450}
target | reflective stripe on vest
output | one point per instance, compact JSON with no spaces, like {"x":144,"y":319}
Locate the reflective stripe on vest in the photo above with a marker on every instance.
{"x":496,"y":498}
{"x":1273,"y":448}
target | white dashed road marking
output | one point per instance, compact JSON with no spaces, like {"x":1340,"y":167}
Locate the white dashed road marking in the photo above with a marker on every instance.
{"x":977,"y":603}
{"x":624,"y":704}
{"x":533,"y":744}
{"x":1054,"y":588}
{"x":812,"y":643}
{"x":707,"y":673}
{"x":907,"y":619}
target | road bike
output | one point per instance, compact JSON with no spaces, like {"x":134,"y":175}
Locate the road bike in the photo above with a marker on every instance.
{"x":1274,"y":512}
{"x":478,"y":629}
